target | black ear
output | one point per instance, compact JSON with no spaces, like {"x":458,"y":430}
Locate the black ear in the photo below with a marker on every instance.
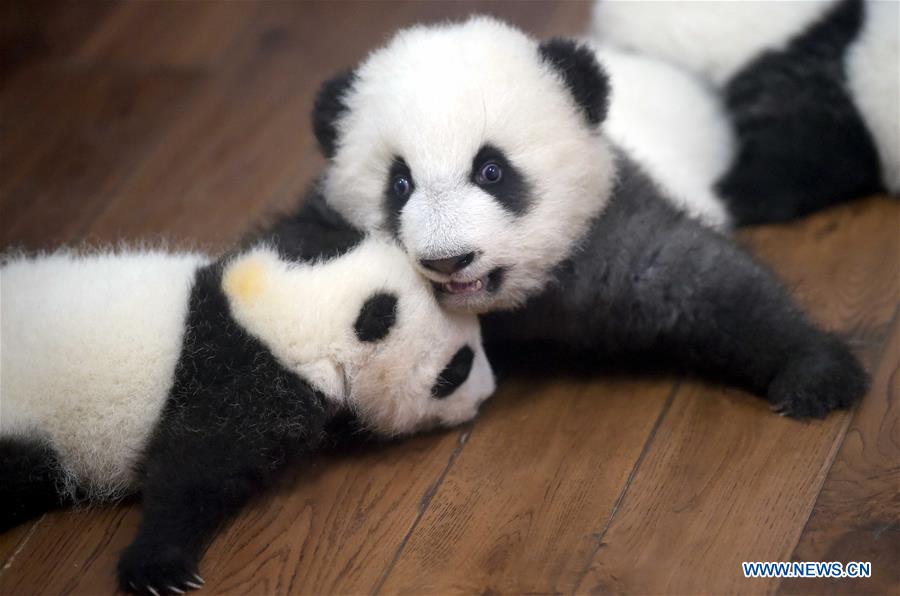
{"x":328,"y":108}
{"x":582,"y":74}
{"x":376,"y":317}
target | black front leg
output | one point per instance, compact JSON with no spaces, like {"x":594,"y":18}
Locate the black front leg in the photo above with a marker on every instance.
{"x":648,"y":281}
{"x":190,"y":491}
{"x":208,"y":458}
{"x":722,"y":313}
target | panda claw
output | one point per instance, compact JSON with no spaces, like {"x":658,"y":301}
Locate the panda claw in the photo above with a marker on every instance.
{"x":193,"y":585}
{"x":152,"y":590}
{"x":199,"y":579}
{"x":174,"y":589}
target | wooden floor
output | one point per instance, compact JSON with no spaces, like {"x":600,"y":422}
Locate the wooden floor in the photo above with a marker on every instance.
{"x":189,"y":122}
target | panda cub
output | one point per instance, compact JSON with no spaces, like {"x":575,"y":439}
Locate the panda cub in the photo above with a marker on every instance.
{"x":194,"y":382}
{"x":811,"y":90}
{"x":493,"y":159}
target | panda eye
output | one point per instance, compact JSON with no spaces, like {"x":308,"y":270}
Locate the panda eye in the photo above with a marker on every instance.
{"x":402,"y":186}
{"x":490,"y":173}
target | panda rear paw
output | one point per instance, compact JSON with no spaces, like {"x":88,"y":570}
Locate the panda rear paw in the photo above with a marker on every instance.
{"x":155,"y":570}
{"x":826,"y":378}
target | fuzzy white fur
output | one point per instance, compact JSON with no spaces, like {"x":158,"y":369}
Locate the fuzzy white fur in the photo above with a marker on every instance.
{"x":674,"y":126}
{"x":433,"y":96}
{"x":873,"y":74}
{"x":88,"y":346}
{"x":305,"y":313}
{"x":713,"y":39}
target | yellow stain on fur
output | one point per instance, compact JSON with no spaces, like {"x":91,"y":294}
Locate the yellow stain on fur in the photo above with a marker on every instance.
{"x":245,"y":280}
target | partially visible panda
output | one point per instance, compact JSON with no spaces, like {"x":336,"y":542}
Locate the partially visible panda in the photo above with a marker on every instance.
{"x":812,"y":90}
{"x":194,"y":382}
{"x":486,"y":154}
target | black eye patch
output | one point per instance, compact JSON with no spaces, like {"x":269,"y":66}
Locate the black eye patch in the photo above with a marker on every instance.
{"x":511,"y":190}
{"x":394,"y":199}
{"x":376,"y":317}
{"x":454,"y":374}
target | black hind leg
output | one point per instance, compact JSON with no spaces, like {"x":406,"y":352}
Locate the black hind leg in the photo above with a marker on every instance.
{"x":29,"y":481}
{"x":802,"y":144}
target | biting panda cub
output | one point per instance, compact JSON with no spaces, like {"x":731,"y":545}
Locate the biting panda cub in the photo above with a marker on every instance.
{"x":194,"y":382}
{"x":491,"y":158}
{"x":811,"y":90}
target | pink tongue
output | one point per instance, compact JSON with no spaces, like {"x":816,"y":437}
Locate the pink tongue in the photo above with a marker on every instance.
{"x":461,"y":286}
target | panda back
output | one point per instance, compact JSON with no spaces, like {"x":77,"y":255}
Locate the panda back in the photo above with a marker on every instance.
{"x":89,"y":348}
{"x":873,"y":76}
{"x":674,"y":126}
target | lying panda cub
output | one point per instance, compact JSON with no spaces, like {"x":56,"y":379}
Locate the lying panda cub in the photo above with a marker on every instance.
{"x":490,"y":157}
{"x":194,"y":382}
{"x":810,"y":88}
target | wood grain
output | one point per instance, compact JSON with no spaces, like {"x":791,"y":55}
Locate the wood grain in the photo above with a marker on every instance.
{"x":531,"y":523}
{"x":857,"y":514}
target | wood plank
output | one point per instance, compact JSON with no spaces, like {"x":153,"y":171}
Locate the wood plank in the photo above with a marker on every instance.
{"x":725,"y":481}
{"x":336,"y":529}
{"x":857,"y":514}
{"x":71,"y":136}
{"x":44,"y":31}
{"x":521,"y":508}
{"x":181,"y":35}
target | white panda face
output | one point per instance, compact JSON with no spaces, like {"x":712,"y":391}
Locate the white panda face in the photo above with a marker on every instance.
{"x":465,"y":142}
{"x":365,"y":330}
{"x":428,"y":367}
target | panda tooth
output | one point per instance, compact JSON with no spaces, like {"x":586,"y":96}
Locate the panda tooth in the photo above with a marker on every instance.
{"x":478,"y":284}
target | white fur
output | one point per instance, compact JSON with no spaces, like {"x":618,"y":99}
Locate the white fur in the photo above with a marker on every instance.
{"x":873,"y":75}
{"x":305,"y":313}
{"x":433,"y":96}
{"x":714,"y":39}
{"x":674,"y":126}
{"x":89,"y":346}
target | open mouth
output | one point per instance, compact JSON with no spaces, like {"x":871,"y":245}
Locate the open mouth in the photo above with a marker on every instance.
{"x":464,"y":287}
{"x":489,"y":282}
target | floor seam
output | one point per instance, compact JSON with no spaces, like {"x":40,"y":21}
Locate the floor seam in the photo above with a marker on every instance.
{"x":21,"y":545}
{"x":895,"y":318}
{"x":631,"y":475}
{"x":423,"y":507}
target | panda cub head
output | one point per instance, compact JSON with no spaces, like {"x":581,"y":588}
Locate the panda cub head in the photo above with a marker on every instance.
{"x":476,"y":147}
{"x":366,"y":331}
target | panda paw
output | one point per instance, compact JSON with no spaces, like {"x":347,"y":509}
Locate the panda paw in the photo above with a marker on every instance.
{"x":826,"y":378}
{"x":155,"y":570}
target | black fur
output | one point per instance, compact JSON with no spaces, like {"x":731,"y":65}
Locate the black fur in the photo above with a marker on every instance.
{"x":582,"y":75}
{"x":454,"y":374}
{"x":315,"y":232}
{"x":376,"y":317}
{"x":329,"y":106}
{"x":511,"y":191}
{"x":31,"y":481}
{"x":234,"y":418}
{"x":649,"y":282}
{"x":801,"y":143}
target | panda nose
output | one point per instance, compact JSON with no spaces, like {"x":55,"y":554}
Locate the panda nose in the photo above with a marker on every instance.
{"x":450,"y":264}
